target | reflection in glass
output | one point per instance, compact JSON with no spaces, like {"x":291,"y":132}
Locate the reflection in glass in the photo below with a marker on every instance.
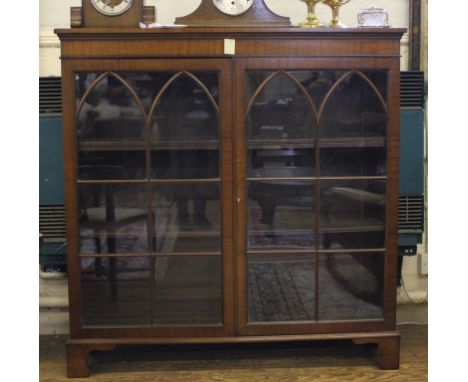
{"x":187,"y":217}
{"x":317,"y":82}
{"x":112,"y":218}
{"x":369,"y":161}
{"x":353,"y":110}
{"x":281,"y":214}
{"x":115,"y":291}
{"x":352,"y":214}
{"x":281,"y":162}
{"x":280,"y":111}
{"x":184,"y":111}
{"x":147,"y":85}
{"x":110,"y":112}
{"x":281,"y":288}
{"x":111,"y":164}
{"x":379,"y":79}
{"x":110,"y":130}
{"x":188,"y":290}
{"x":351,"y":286}
{"x":185,"y":163}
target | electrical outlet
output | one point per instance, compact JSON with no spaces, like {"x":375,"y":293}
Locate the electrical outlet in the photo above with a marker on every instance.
{"x":423,"y":267}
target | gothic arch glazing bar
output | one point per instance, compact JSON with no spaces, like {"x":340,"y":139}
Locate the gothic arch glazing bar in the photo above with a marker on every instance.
{"x":171,"y":81}
{"x":294,"y":80}
{"x":122,"y":81}
{"x":259,"y":90}
{"x":343,"y":78}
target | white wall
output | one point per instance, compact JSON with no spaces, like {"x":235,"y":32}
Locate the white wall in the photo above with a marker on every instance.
{"x":56,"y":14}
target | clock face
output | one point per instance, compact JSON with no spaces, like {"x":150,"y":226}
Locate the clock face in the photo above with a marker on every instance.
{"x":233,"y":7}
{"x":112,"y":7}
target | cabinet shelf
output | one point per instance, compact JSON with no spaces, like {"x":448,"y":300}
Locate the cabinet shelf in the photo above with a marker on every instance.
{"x":196,"y":144}
{"x":148,"y":254}
{"x":111,"y":146}
{"x":347,"y":225}
{"x":191,"y":233}
{"x":119,"y":145}
{"x":351,"y":142}
{"x":328,"y":226}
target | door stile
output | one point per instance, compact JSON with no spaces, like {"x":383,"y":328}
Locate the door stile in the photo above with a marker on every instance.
{"x":240,"y":196}
{"x":227,"y":189}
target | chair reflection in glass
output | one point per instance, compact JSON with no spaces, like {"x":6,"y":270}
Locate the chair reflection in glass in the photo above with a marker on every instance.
{"x":197,"y":193}
{"x":188,"y":126}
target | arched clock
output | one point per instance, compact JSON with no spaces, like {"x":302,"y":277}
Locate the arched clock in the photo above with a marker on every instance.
{"x":233,"y":13}
{"x":111,"y":14}
{"x":233,"y":7}
{"x":112,"y":7}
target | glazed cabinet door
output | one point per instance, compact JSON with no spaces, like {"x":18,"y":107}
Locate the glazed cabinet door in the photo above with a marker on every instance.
{"x":315,"y":185}
{"x":150,"y":198}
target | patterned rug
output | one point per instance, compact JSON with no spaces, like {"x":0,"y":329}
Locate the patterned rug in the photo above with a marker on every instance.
{"x":285,"y":290}
{"x":281,"y":291}
{"x":131,"y":236}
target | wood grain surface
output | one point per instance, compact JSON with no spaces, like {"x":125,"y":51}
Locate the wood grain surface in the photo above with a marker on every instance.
{"x":300,"y":362}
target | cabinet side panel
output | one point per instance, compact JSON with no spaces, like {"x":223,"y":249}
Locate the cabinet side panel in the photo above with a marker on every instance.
{"x":70,"y":160}
{"x":393,"y":194}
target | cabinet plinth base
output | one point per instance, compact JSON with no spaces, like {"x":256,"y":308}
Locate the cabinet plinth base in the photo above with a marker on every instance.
{"x":388,"y":353}
{"x":77,"y":356}
{"x":78,"y":350}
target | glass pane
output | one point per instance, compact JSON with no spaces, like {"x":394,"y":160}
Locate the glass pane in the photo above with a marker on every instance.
{"x":353,"y":110}
{"x":254,"y":79}
{"x":187,"y":217}
{"x":147,"y":85}
{"x":355,"y":161}
{"x":184,"y":163}
{"x":188,"y":290}
{"x":185,"y":112}
{"x":112,"y":218}
{"x":352,"y":214}
{"x":110,"y":130}
{"x":281,"y":214}
{"x":109,"y":100}
{"x":281,"y":288}
{"x":110,"y":164}
{"x":379,"y":79}
{"x":280,"y":111}
{"x":351,"y":286}
{"x":281,"y":162}
{"x":115,"y":291}
{"x":317,"y":83}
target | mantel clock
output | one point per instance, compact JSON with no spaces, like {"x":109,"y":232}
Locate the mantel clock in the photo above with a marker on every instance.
{"x":233,"y":13}
{"x":111,"y":14}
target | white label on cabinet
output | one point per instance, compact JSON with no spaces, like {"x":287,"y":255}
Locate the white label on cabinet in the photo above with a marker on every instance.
{"x":229,"y":46}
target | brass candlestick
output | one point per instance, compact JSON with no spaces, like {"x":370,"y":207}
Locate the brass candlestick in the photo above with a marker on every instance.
{"x":312,"y":21}
{"x":335,"y":6}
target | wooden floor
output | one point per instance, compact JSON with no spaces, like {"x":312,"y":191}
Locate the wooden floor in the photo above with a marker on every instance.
{"x":324,"y":362}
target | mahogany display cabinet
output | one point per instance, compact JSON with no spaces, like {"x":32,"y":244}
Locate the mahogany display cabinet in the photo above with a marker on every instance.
{"x":224,"y":198}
